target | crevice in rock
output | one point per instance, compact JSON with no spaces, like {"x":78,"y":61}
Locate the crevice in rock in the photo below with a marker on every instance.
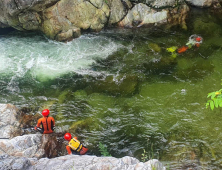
{"x":16,"y":4}
{"x":93,"y":5}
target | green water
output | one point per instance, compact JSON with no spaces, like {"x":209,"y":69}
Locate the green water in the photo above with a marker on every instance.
{"x":122,"y":88}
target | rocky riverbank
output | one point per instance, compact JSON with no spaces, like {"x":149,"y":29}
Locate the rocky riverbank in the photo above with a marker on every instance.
{"x":33,"y":151}
{"x":63,"y":20}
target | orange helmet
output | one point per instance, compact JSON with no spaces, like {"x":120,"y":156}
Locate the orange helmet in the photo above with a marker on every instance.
{"x":45,"y":112}
{"x":68,"y":136}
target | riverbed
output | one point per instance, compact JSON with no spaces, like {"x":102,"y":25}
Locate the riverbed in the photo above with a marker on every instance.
{"x":121,"y":87}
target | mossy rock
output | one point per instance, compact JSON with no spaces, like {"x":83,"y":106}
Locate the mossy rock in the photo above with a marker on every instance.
{"x":100,"y":102}
{"x":154,"y":47}
{"x":76,"y":127}
{"x":64,"y":95}
{"x":206,"y":28}
{"x":122,"y":85}
{"x":164,"y":64}
{"x":193,"y":68}
{"x":80,"y":95}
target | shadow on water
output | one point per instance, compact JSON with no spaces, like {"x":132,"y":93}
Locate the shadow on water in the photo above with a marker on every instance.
{"x":4,"y":31}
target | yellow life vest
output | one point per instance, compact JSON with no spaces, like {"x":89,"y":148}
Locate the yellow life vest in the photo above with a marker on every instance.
{"x":75,"y":144}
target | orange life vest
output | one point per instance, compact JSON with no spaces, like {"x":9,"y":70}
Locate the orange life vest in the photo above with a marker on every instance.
{"x":47,"y":124}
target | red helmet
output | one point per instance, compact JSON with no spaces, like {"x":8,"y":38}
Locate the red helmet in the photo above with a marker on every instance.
{"x":68,"y":136}
{"x":45,"y":112}
{"x":198,"y":39}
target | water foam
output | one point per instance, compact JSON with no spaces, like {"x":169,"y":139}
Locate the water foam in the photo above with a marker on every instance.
{"x":46,"y":59}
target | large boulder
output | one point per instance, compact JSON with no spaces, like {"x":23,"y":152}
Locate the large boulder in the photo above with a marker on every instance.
{"x":9,"y":121}
{"x":30,"y":146}
{"x":119,"y":10}
{"x":77,"y":162}
{"x":141,"y":14}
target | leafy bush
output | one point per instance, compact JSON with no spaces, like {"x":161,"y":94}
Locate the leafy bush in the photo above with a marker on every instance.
{"x":103,"y":150}
{"x":215,"y":99}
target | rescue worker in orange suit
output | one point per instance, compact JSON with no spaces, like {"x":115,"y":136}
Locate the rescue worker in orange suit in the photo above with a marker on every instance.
{"x":45,"y":124}
{"x":74,"y":146}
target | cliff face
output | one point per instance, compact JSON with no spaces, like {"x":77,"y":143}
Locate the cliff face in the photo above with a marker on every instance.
{"x":63,"y":20}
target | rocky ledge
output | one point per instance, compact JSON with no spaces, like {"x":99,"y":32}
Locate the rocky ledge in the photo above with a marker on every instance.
{"x":63,"y":20}
{"x":39,"y":152}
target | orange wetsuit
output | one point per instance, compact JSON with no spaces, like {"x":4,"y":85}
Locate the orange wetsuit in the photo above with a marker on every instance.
{"x":81,"y":152}
{"x":47,"y":124}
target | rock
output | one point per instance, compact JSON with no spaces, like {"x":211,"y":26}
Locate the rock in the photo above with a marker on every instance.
{"x":9,"y":162}
{"x":200,"y":3}
{"x":23,"y":146}
{"x":78,"y":162}
{"x":141,"y":14}
{"x":31,"y":146}
{"x":154,"y":47}
{"x":178,"y":15}
{"x":163,"y":3}
{"x":120,"y":85}
{"x":9,"y":121}
{"x":119,"y":10}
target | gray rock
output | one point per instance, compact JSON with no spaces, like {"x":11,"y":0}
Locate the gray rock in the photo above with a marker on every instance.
{"x":95,"y":163}
{"x":119,"y":10}
{"x":141,"y":14}
{"x":24,"y":146}
{"x":163,"y":3}
{"x":200,"y":3}
{"x":9,"y":121}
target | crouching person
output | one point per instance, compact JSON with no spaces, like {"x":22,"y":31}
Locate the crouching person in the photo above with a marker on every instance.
{"x":74,"y":146}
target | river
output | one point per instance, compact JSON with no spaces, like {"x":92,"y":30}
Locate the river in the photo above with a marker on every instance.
{"x":122,"y":88}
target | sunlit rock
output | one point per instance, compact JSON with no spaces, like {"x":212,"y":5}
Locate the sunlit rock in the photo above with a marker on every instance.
{"x":163,"y":3}
{"x":32,"y":145}
{"x":78,"y":162}
{"x":200,"y":3}
{"x":118,"y":10}
{"x":141,"y":14}
{"x":9,"y":121}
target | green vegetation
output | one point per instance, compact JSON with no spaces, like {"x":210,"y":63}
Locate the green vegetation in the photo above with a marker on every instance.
{"x":103,"y":150}
{"x":215,"y":99}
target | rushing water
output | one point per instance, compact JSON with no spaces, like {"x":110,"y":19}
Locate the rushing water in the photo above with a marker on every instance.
{"x":123,"y":89}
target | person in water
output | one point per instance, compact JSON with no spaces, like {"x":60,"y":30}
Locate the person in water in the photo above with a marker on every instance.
{"x":74,"y":146}
{"x":194,"y":41}
{"x":45,"y":124}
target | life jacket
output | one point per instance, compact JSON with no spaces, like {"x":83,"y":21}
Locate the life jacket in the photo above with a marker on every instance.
{"x":47,"y":124}
{"x":75,"y":144}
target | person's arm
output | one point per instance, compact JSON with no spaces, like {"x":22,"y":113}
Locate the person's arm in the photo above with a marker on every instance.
{"x":53,"y":124}
{"x":38,"y":124}
{"x":68,"y":150}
